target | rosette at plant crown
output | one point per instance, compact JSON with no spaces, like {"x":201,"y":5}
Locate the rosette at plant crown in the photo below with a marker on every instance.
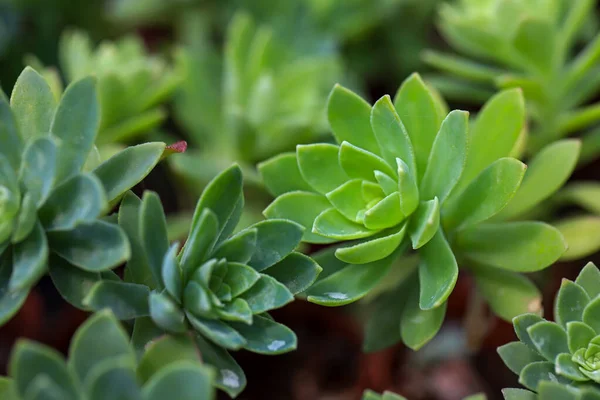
{"x":565,"y":351}
{"x":54,"y":191}
{"x":405,"y":174}
{"x":219,"y":286}
{"x":103,"y":365}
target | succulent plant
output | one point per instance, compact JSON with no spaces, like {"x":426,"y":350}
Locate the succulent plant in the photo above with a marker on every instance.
{"x":257,"y":99}
{"x":54,"y":192}
{"x":219,"y":286}
{"x":387,"y":395}
{"x":527,"y":44}
{"x":552,"y":390}
{"x":404,"y":175}
{"x":566,"y":351}
{"x":131,"y":83}
{"x":103,"y":365}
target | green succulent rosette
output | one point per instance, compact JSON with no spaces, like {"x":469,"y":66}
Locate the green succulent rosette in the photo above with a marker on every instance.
{"x":103,"y":365}
{"x":405,"y":176}
{"x":55,"y":192}
{"x":566,"y":351}
{"x":220,"y":286}
{"x":387,"y":395}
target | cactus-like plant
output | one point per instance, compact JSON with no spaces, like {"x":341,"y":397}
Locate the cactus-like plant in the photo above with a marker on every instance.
{"x":219,"y":286}
{"x":406,"y":175}
{"x":131,"y":83}
{"x":54,"y":192}
{"x":566,"y":351}
{"x":103,"y":365}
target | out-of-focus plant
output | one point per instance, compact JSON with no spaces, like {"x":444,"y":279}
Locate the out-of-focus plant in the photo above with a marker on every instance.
{"x":407,"y":175}
{"x":219,"y":287}
{"x":387,"y":395}
{"x":528,"y":44}
{"x":103,"y":365}
{"x":55,"y":191}
{"x":259,"y":99}
{"x":566,"y":351}
{"x":132,"y":84}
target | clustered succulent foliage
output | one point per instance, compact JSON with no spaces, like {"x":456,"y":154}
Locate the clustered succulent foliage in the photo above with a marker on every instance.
{"x":219,"y":286}
{"x":103,"y":365}
{"x":131,"y":84}
{"x":566,"y":351}
{"x":407,"y":175}
{"x":371,"y":395}
{"x":55,"y":191}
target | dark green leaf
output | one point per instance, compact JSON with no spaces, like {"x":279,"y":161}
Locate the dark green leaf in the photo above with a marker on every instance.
{"x":296,"y":271}
{"x":76,"y":123}
{"x":230,"y":377}
{"x":565,"y":366}
{"x":94,"y":247}
{"x":534,"y":373}
{"x":238,"y":248}
{"x":79,"y":199}
{"x":166,"y":313}
{"x":267,"y":294}
{"x":72,"y":283}
{"x":240,"y":278}
{"x":165,"y":351}
{"x":127,"y":168}
{"x":11,"y":143}
{"x":38,"y":167}
{"x":382,"y":329}
{"x":373,"y":249}
{"x":549,"y":338}
{"x":30,"y":260}
{"x":153,"y":234}
{"x":424,"y":223}
{"x":517,"y":355}
{"x":218,"y":332}
{"x":417,"y":327}
{"x":266,"y":336}
{"x":438,"y":272}
{"x":190,"y":381}
{"x":125,"y":300}
{"x":579,"y":335}
{"x":113,"y":380}
{"x":171,"y":273}
{"x":589,"y":279}
{"x":522,"y":323}
{"x":591,"y":314}
{"x":570,"y":302}
{"x":237,"y":310}
{"x":197,"y":300}
{"x":275,"y":239}
{"x":200,"y":243}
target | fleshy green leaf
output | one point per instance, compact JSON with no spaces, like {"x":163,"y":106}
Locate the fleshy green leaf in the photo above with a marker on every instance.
{"x":100,"y":338}
{"x":348,"y":199}
{"x":113,"y":379}
{"x":281,"y":174}
{"x":197,"y":300}
{"x":417,"y":109}
{"x":350,"y":119}
{"x":591,"y":314}
{"x":320,"y":167}
{"x":236,"y":310}
{"x":566,"y":367}
{"x":239,"y":278}
{"x":424,"y":223}
{"x":360,"y":163}
{"x":495,"y":132}
{"x":330,"y":223}
{"x":517,"y":355}
{"x":79,"y":199}
{"x":38,"y":167}
{"x":296,"y":271}
{"x":275,"y":239}
{"x":30,"y":260}
{"x":373,"y":249}
{"x":385,"y":214}
{"x":266,"y":336}
{"x":153,"y":233}
{"x":200,"y":242}
{"x":535,"y":41}
{"x":486,"y":195}
{"x":30,"y":359}
{"x":508,"y":294}
{"x":382,"y":328}
{"x":267,"y":294}
{"x":350,"y":283}
{"x":72,"y":283}
{"x":166,"y":314}
{"x":11,"y":143}
{"x":164,"y":351}
{"x":390,"y":133}
{"x":570,"y":303}
{"x":534,"y":373}
{"x":549,"y":338}
{"x":386,"y":184}
{"x":417,"y":327}
{"x":547,"y":172}
{"x":518,"y":394}
{"x":26,"y":219}
{"x":33,"y":104}
{"x":218,"y":332}
{"x":127,"y":168}
{"x":76,"y":123}
{"x":447,"y":158}
{"x":230,"y":377}
{"x":582,"y":234}
{"x":171,"y":273}
{"x":522,"y":323}
{"x":125,"y":300}
{"x":438,"y":272}
{"x":579,"y":335}
{"x":94,"y":247}
{"x":517,"y":246}
{"x":238,"y":248}
{"x":190,"y":381}
{"x":303,"y":208}
{"x":409,"y":193}
{"x":589,"y":279}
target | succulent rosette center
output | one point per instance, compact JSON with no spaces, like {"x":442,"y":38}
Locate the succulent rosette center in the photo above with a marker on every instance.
{"x":588,"y":359}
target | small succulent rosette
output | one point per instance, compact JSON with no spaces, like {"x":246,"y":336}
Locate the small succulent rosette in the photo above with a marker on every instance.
{"x":220,"y":285}
{"x":566,"y":351}
{"x":55,"y":192}
{"x":405,"y":175}
{"x":103,"y":365}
